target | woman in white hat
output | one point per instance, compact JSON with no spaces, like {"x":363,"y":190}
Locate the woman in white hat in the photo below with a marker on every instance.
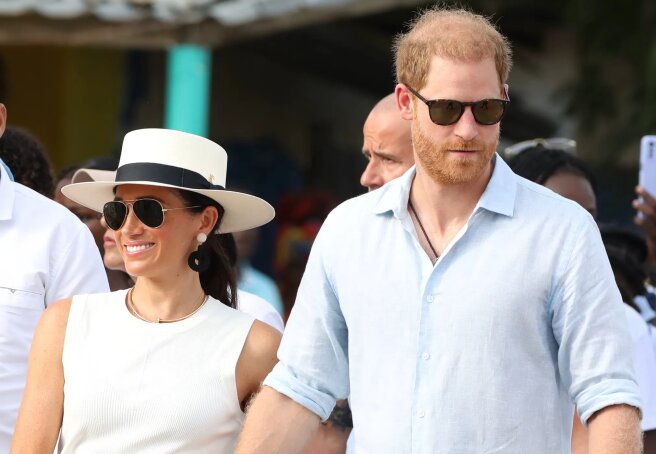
{"x":168,"y":365}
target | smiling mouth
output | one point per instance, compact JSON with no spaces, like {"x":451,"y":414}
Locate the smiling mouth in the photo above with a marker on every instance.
{"x":138,"y":248}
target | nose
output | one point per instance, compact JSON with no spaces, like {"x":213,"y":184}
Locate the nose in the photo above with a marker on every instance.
{"x":466,"y":127}
{"x":132,"y":223}
{"x":371,"y":177}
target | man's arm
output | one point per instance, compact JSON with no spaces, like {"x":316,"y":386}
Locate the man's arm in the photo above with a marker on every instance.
{"x":332,"y":436}
{"x":615,"y":429}
{"x":579,"y":436}
{"x":276,"y":424}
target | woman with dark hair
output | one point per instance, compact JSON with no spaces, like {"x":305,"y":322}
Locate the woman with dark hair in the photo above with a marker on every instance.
{"x":557,"y":169}
{"x":167,"y":365}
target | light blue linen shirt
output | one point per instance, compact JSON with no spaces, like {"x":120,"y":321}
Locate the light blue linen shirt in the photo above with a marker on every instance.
{"x":483,"y":352}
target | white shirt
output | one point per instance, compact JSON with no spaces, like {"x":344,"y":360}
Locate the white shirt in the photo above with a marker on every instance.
{"x":46,"y":254}
{"x":259,"y":309}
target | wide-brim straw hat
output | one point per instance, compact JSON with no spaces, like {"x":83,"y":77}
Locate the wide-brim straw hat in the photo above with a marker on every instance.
{"x":172,"y":159}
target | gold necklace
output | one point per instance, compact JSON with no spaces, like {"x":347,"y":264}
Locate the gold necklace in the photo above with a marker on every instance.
{"x":135,"y":312}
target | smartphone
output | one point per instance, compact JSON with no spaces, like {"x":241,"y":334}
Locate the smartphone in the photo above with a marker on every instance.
{"x":648,"y":164}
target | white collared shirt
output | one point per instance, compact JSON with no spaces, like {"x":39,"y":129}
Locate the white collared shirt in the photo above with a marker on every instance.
{"x":46,"y":254}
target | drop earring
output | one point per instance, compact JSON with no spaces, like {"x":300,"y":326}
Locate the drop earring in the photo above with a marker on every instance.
{"x":200,"y":259}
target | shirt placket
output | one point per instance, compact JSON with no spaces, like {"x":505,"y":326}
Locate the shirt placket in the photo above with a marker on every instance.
{"x":424,"y":405}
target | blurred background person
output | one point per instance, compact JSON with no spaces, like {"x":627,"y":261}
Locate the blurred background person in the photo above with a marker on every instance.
{"x":27,"y":159}
{"x":249,"y":278}
{"x":249,"y":302}
{"x":387,"y":144}
{"x":299,"y":218}
{"x":645,"y":205}
{"x":117,"y":278}
{"x":45,"y":254}
{"x":545,"y":163}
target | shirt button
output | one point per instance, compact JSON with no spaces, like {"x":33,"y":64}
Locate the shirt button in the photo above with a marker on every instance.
{"x":430,"y":298}
{"x":421,"y":413}
{"x":425,"y":355}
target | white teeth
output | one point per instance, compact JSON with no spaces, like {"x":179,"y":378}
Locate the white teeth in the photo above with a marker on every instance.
{"x":139,"y":247}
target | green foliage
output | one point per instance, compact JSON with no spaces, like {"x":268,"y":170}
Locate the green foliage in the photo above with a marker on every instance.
{"x":616,"y":44}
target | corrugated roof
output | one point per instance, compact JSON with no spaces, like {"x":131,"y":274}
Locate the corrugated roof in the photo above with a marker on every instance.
{"x":161,"y":23}
{"x":228,"y":12}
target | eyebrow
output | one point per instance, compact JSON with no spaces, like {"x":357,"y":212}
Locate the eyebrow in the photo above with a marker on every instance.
{"x":382,"y":154}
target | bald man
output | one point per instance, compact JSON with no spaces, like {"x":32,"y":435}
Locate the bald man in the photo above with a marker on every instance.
{"x":388,"y":148}
{"x":387,"y":144}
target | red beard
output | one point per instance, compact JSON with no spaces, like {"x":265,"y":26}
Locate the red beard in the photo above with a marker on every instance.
{"x":446,"y":167}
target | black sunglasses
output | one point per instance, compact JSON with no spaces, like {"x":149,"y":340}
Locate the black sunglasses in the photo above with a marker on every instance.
{"x":445,"y":112}
{"x":149,"y":211}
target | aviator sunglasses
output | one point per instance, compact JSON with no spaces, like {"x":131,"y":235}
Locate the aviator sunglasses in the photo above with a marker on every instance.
{"x":445,"y":112}
{"x":149,"y":211}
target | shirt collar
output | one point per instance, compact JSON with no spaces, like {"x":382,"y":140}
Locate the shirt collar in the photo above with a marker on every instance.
{"x":394,"y":195}
{"x":498,"y":197}
{"x":6,"y":195}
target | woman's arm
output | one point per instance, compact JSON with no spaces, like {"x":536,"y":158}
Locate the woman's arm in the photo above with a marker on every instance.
{"x":256,"y":360}
{"x":40,"y":415}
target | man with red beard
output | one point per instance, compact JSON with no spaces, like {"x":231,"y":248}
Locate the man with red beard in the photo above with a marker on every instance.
{"x":426,"y":303}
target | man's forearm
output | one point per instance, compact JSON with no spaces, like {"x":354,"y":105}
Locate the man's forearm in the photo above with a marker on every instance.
{"x":332,"y":437}
{"x":615,"y":429}
{"x":276,"y":424}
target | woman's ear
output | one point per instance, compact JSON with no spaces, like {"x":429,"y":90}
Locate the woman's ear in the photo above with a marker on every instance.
{"x":209,"y":218}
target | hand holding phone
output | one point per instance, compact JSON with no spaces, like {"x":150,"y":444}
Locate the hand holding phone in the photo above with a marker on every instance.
{"x":648,"y":164}
{"x":646,"y":203}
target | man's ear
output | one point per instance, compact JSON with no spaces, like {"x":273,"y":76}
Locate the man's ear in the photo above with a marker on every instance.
{"x":3,"y":119}
{"x":504,"y":92}
{"x":404,"y":101}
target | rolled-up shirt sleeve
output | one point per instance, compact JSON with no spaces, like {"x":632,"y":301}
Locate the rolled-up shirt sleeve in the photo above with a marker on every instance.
{"x":313,"y":354}
{"x":595,"y":350}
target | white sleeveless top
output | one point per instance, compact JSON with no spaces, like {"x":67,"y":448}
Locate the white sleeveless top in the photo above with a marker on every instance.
{"x":138,"y":387}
